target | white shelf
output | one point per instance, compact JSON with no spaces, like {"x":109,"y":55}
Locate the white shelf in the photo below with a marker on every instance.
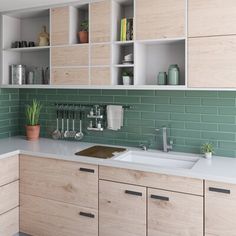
{"x":161,"y":41}
{"x":27,"y":49}
{"x":123,"y":42}
{"x":124,"y":65}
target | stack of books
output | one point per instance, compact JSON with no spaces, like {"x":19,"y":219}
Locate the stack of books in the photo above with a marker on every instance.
{"x":126,"y":30}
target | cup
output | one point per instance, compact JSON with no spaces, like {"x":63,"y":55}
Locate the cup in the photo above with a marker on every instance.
{"x":127,"y":80}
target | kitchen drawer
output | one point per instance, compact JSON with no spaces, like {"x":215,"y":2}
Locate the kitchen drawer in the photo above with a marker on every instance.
{"x":70,"y":76}
{"x":9,"y":197}
{"x":161,"y":181}
{"x":9,"y":170}
{"x":70,"y":56}
{"x":64,"y":181}
{"x":43,"y":217}
{"x":9,"y":223}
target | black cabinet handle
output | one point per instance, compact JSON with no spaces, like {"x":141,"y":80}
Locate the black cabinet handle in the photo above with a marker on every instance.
{"x":86,"y":170}
{"x":219,"y":190}
{"x":87,"y":214}
{"x":162,"y":198}
{"x":133,"y":193}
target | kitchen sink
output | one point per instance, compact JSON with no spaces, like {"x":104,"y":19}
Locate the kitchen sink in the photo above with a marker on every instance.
{"x":165,"y":160}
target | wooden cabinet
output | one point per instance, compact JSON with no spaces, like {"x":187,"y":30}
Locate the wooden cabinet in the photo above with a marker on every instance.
{"x":100,"y":21}
{"x":160,"y":19}
{"x":122,"y":209}
{"x":211,"y":17}
{"x":100,"y":76}
{"x":100,"y":55}
{"x":39,"y":216}
{"x":212,"y":62}
{"x":220,"y":209}
{"x":171,"y":213}
{"x":60,"y":25}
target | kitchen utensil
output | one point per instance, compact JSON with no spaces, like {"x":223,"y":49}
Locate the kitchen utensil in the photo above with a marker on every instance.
{"x":62,"y":123}
{"x":73,"y":132}
{"x":79,"y":135}
{"x":56,"y":133}
{"x":67,"y":132}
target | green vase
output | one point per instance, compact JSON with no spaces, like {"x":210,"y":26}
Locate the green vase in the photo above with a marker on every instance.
{"x":173,"y":75}
{"x":162,"y":78}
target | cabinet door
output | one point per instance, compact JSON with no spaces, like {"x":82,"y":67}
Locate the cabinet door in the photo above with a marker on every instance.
{"x":211,"y":17}
{"x":158,"y":19}
{"x":43,"y":217}
{"x":100,"y":21}
{"x":122,"y":209}
{"x":100,"y":76}
{"x":220,"y":209}
{"x":100,"y":55}
{"x":171,"y":213}
{"x":60,"y":21}
{"x":212,"y":62}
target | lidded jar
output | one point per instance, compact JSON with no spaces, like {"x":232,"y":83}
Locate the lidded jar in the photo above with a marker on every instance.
{"x":173,"y":75}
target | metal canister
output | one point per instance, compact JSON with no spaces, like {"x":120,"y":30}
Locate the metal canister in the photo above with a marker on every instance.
{"x":18,"y":74}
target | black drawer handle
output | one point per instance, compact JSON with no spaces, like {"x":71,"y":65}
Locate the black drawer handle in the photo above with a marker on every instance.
{"x":219,"y":190}
{"x":162,"y":198}
{"x":133,"y":193}
{"x":86,"y":170}
{"x":87,"y":214}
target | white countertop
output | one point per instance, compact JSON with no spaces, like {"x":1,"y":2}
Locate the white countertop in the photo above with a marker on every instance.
{"x":218,"y":169}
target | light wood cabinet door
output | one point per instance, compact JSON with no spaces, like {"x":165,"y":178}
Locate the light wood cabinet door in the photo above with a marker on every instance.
{"x":220,"y":209}
{"x":60,"y":25}
{"x":64,"y":181}
{"x":100,"y":21}
{"x":212,"y":62}
{"x":100,"y":76}
{"x":171,"y":213}
{"x":211,"y":17}
{"x":158,"y":19}
{"x":122,"y":209}
{"x":43,"y":217}
{"x":100,"y":55}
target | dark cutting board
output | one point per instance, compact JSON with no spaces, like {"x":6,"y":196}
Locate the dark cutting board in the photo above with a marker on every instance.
{"x":103,"y":152}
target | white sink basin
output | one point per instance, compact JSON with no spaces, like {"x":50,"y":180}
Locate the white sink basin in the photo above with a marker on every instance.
{"x":165,"y":160}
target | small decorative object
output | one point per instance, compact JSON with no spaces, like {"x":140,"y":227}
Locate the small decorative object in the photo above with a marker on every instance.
{"x":32,"y":117}
{"x":127,"y":78}
{"x":128,"y":59}
{"x":31,"y":44}
{"x":43,"y":38}
{"x":207,"y":150}
{"x":30,"y":78}
{"x":17,"y":74}
{"x":83,"y":33}
{"x":173,"y":75}
{"x":162,"y":78}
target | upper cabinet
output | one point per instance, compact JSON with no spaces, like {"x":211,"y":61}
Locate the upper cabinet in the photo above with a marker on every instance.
{"x":157,"y":19}
{"x":211,"y":17}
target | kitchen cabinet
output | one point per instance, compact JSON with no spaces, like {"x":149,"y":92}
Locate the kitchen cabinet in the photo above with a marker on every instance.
{"x":159,"y":19}
{"x":211,"y":17}
{"x":100,"y":76}
{"x":172,"y":213}
{"x":100,"y":55}
{"x":220,"y":209}
{"x":212,"y":62}
{"x":122,"y":209}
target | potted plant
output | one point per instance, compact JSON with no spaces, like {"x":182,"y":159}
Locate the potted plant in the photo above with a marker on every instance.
{"x":127,"y":77}
{"x":207,"y":150}
{"x":32,"y":118}
{"x":83,"y":33}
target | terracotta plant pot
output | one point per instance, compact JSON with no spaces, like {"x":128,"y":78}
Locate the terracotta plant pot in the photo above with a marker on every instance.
{"x":32,"y":132}
{"x":83,"y":36}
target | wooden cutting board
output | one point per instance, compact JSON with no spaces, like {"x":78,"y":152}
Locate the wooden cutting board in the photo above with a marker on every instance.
{"x":103,"y":152}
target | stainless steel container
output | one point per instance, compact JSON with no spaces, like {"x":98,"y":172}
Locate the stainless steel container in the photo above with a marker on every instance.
{"x":18,"y":74}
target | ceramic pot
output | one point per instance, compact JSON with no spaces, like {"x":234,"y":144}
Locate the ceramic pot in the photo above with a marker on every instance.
{"x":173,"y":75}
{"x":83,"y":36}
{"x":32,"y":132}
{"x":127,"y":80}
{"x":162,"y":78}
{"x":208,"y":155}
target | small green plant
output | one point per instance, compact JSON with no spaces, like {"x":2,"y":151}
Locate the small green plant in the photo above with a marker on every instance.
{"x":32,"y":113}
{"x":127,"y":73}
{"x":84,"y":26}
{"x":207,"y":148}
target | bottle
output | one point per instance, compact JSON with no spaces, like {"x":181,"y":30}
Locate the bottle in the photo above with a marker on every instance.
{"x":90,"y":124}
{"x":99,"y":125}
{"x":173,"y":75}
{"x":91,"y":112}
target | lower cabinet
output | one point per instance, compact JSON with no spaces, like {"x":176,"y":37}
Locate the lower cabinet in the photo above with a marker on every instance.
{"x":122,"y":209}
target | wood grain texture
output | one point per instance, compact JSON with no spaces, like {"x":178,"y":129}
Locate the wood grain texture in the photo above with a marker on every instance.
{"x":160,"y":19}
{"x":59,"y":180}
{"x":100,"y":76}
{"x":211,"y":17}
{"x":9,"y":223}
{"x":43,"y":217}
{"x":70,"y":56}
{"x":100,"y":55}
{"x":70,"y":76}
{"x":121,"y":213}
{"x":181,"y":215}
{"x":220,"y":210}
{"x":9,"y":196}
{"x":100,"y":21}
{"x":60,"y":24}
{"x":168,"y":182}
{"x":9,"y":170}
{"x":212,"y":62}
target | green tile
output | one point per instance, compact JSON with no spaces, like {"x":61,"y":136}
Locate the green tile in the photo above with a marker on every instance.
{"x":169,"y":108}
{"x":185,"y":117}
{"x":227,"y":110}
{"x":185,"y":133}
{"x":186,"y":101}
{"x":227,"y":145}
{"x":156,"y":115}
{"x":135,"y":122}
{"x":90,"y":91}
{"x":155,"y":100}
{"x":218,"y":136}
{"x":201,"y":126}
{"x":198,"y":142}
{"x":227,"y":128}
{"x":141,"y":93}
{"x":227,"y":94}
{"x":201,"y":94}
{"x":101,"y":99}
{"x":114,"y":92}
{"x":170,"y":93}
{"x":225,"y":153}
{"x":132,"y":114}
{"x":126,"y":100}
{"x":218,"y":119}
{"x":201,"y":110}
{"x":144,"y":107}
{"x":218,"y":102}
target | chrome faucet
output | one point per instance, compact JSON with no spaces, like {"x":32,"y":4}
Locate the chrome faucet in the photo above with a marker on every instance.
{"x":166,"y":147}
{"x":144,"y":147}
